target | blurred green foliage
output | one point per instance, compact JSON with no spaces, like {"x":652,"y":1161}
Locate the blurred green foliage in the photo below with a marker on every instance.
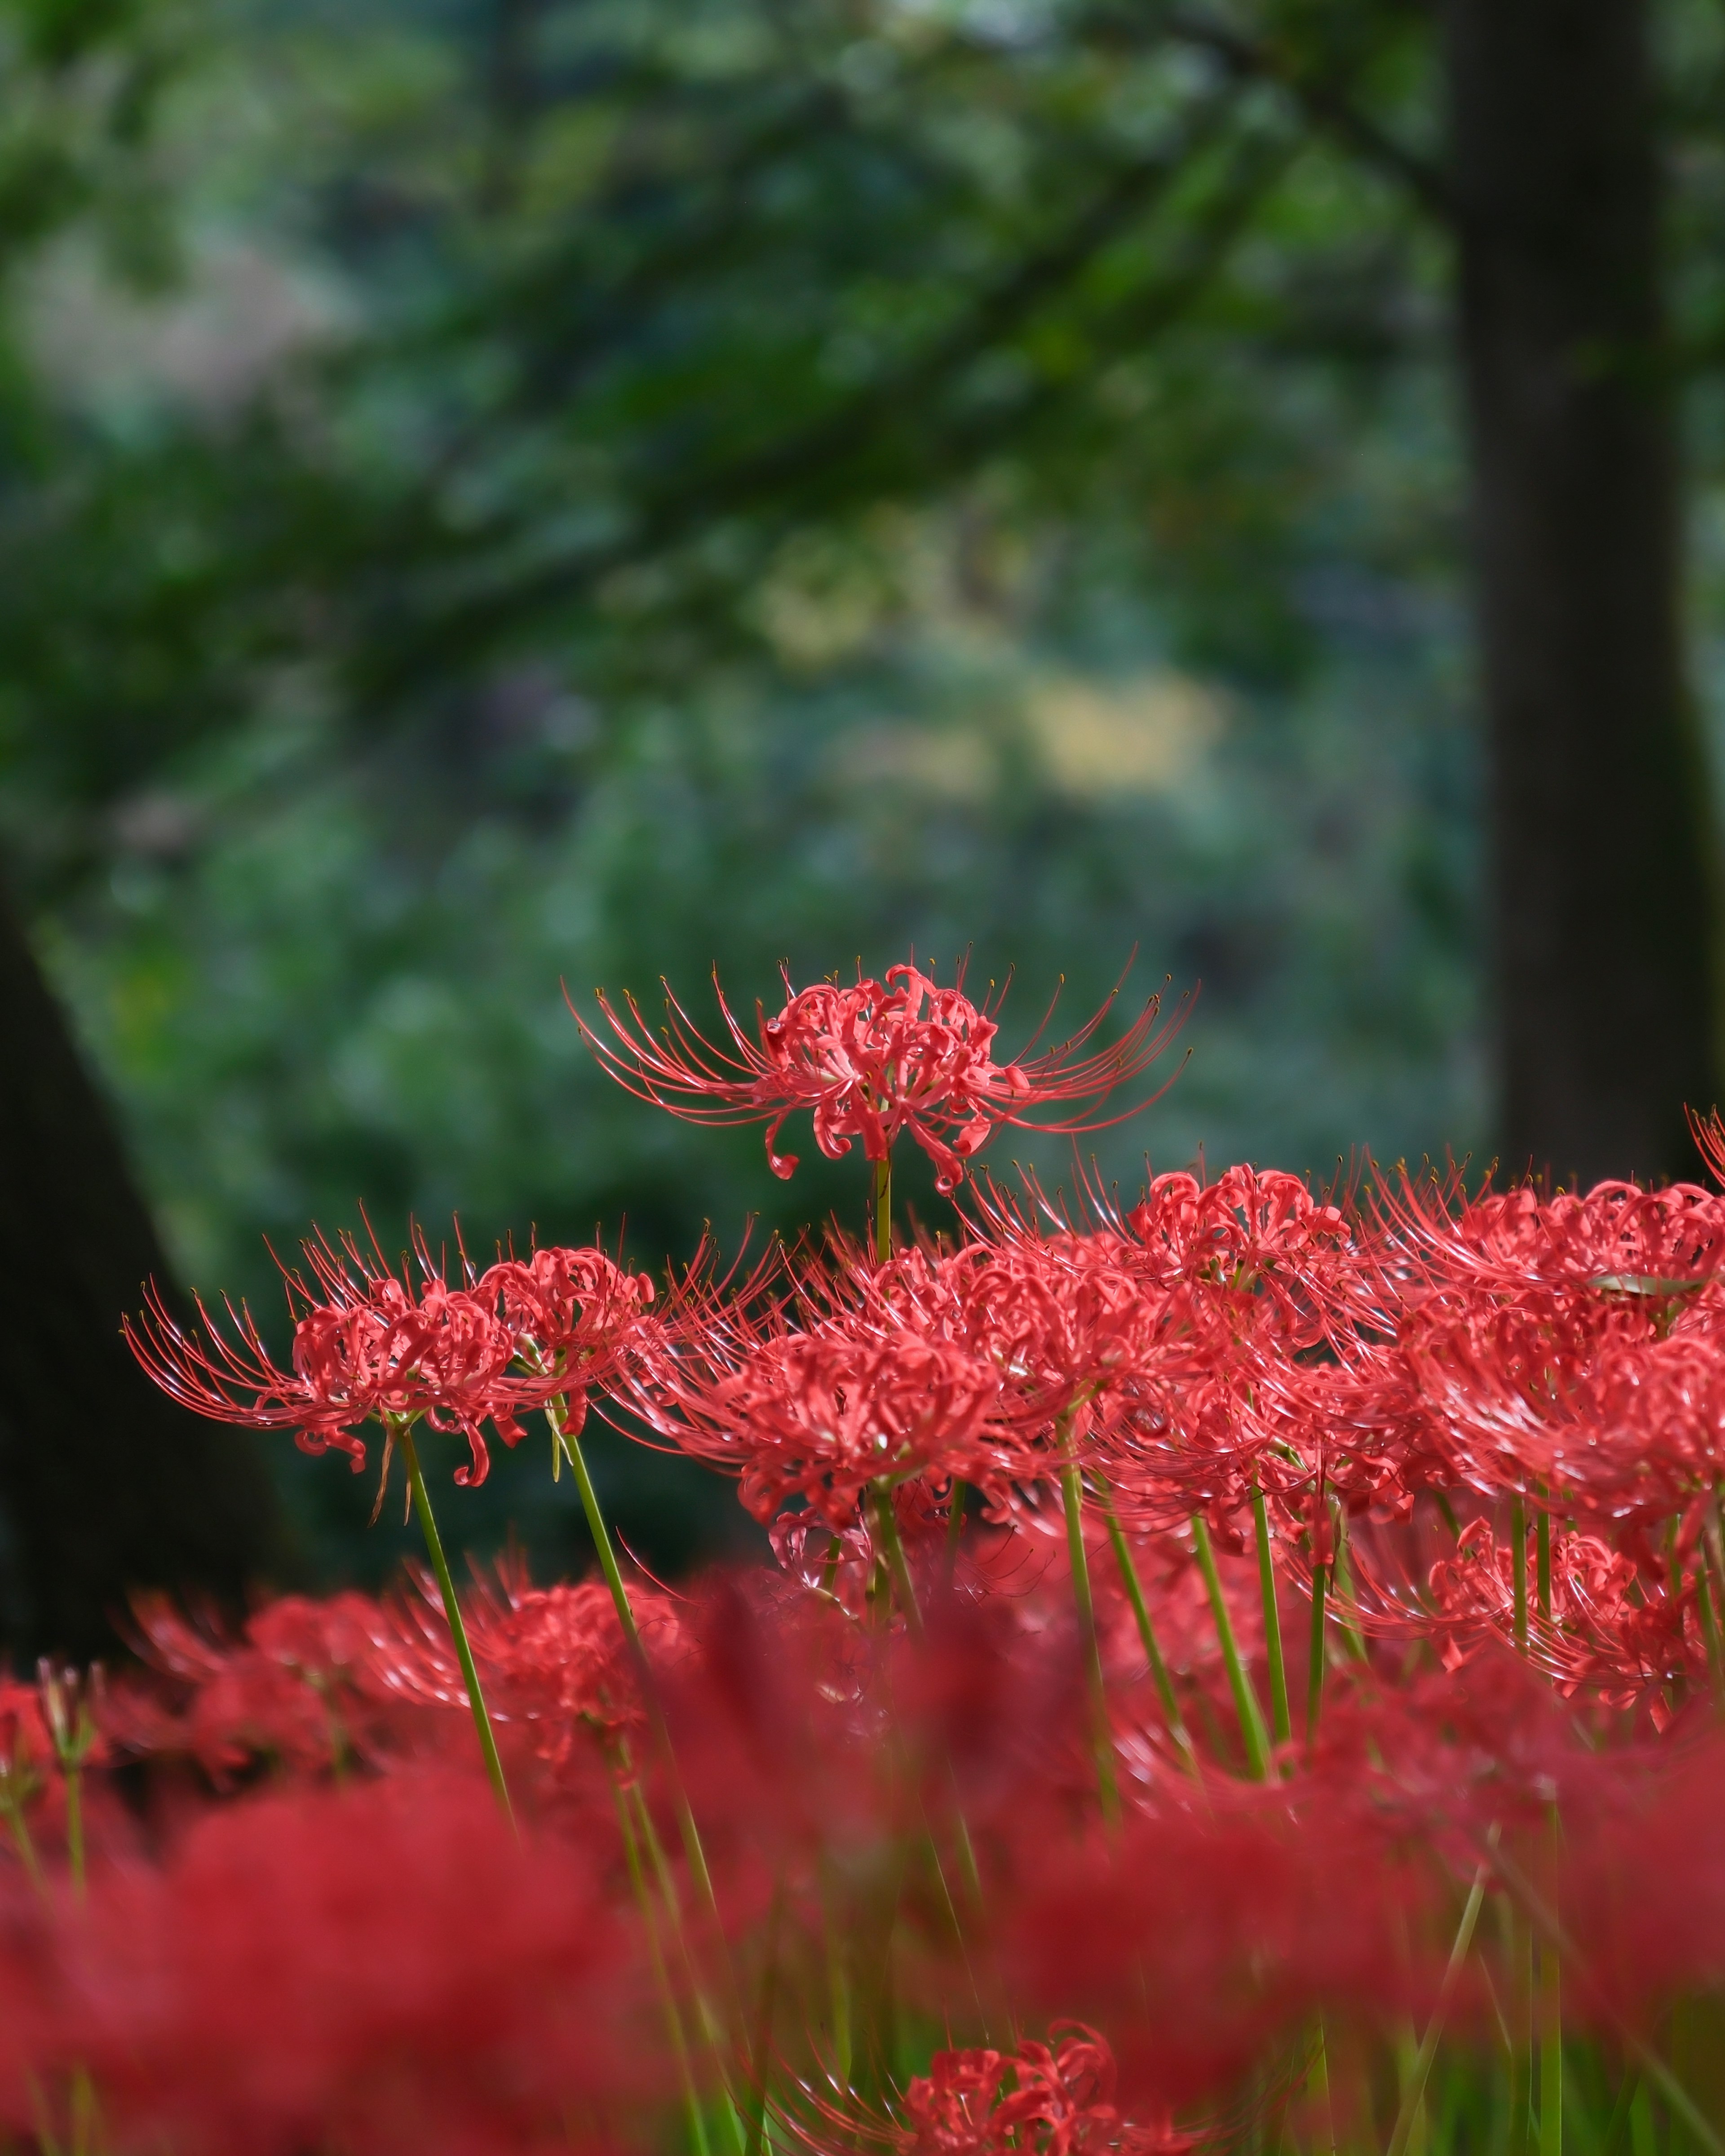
{"x":494,"y":496}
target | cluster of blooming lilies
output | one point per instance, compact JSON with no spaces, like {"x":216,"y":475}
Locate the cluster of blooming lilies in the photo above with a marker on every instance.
{"x":1238,"y":1666}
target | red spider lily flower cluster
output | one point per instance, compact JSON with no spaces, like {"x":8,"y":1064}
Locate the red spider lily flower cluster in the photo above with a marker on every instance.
{"x":1052,"y":2098}
{"x":314,"y":1686}
{"x":370,"y":1345}
{"x":1212,"y":1636}
{"x":870,"y":1063}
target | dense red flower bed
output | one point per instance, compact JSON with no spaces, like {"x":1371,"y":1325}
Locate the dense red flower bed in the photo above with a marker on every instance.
{"x":1240,"y":1664}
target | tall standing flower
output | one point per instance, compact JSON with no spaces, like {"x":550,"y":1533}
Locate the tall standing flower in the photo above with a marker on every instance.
{"x":872,"y":1061}
{"x":368,"y":1346}
{"x":372,"y":1347}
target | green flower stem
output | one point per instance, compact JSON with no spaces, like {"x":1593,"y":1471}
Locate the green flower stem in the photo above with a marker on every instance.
{"x":1280,"y":1721}
{"x":1342,"y":1585}
{"x":13,"y":1812}
{"x":1518,"y":1560}
{"x":761,"y":2047}
{"x":687,"y":1831}
{"x":72,"y":1730}
{"x":1643,"y":2139}
{"x":1551,"y":2052}
{"x":1542,"y":1919}
{"x":1319,"y":2080}
{"x":673,"y":2019}
{"x":403,"y":1434}
{"x":839,"y":1988}
{"x":74,"y":1827}
{"x":1134,"y":1587}
{"x":1315,"y":1660}
{"x":955,"y":1525}
{"x":712,"y":2027}
{"x":892,"y":1549}
{"x":1542,"y":1546}
{"x":881,"y":1206}
{"x":1072,"y":1496}
{"x":1414,"y":2087}
{"x":1253,"y":1733}
{"x":1709,"y":1613}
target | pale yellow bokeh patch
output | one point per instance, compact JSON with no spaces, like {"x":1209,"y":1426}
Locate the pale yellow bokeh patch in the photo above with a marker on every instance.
{"x":1140,"y":736}
{"x":1090,"y":740}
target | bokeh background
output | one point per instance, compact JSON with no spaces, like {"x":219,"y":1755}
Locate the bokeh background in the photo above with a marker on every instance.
{"x":497,"y":495}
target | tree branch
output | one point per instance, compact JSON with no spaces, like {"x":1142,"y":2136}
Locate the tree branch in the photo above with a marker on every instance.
{"x":1326,"y":102}
{"x":784,"y":473}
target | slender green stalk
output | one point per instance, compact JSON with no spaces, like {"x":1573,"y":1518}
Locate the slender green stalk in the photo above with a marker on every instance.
{"x":1419,"y":2071}
{"x":761,"y":2050}
{"x":72,"y":1729}
{"x":892,"y":1549}
{"x":1709,"y":1628}
{"x":688,"y":1833}
{"x":1280,"y":1721}
{"x":1550,"y":2015}
{"x":1541,"y":1559}
{"x":74,"y":1827}
{"x":1315,"y":1659}
{"x":571,"y":1444}
{"x":1102,"y":1735}
{"x":13,"y":1811}
{"x":1551,"y":2052}
{"x":838,"y":1990}
{"x":1253,"y":1733}
{"x":403,"y":1435}
{"x":955,"y":1526}
{"x":1518,"y":1561}
{"x":711,"y":2028}
{"x":673,"y":2019}
{"x":1654,"y":2068}
{"x":1406,"y":2051}
{"x":1319,"y":2080}
{"x":1520,"y":2050}
{"x":1710,"y":1594}
{"x":1643,"y":2140}
{"x":1146,"y":1634}
{"x":1342,"y":1585}
{"x":881,"y":1207}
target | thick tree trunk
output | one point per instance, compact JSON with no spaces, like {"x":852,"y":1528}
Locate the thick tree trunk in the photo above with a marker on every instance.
{"x":104,"y":1485}
{"x":1603,"y":835}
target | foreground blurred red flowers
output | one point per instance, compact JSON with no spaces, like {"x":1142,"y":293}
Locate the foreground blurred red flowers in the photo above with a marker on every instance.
{"x":1286,"y":1629}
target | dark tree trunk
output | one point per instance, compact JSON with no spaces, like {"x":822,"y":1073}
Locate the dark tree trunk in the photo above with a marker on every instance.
{"x":104,"y":1485}
{"x":1602,"y":832}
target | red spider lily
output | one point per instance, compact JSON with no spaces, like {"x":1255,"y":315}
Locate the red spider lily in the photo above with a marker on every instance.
{"x":1661,"y":1246}
{"x":297,"y":1688}
{"x":870,"y":1062}
{"x":1207,"y":1303}
{"x":824,"y":1416}
{"x":569,"y":1312}
{"x":1585,"y":1396}
{"x":1053,"y":2099}
{"x":1253,"y":1243}
{"x":553,"y":1658}
{"x":1053,"y":1319}
{"x":316,"y":1685}
{"x":1611,"y":1626}
{"x":366,"y":1346}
